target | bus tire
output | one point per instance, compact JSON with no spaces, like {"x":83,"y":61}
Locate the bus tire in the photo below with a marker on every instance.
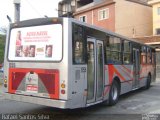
{"x":114,"y":93}
{"x":148,"y":82}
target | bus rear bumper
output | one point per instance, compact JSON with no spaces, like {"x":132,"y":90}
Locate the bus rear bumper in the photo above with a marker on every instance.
{"x":37,"y":100}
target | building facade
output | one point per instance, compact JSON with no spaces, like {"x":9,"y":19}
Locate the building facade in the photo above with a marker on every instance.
{"x":156,"y":16}
{"x":155,"y":39}
{"x":131,"y":18}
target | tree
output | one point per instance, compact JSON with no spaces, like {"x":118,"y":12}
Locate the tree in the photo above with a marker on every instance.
{"x":2,"y":47}
{"x":3,"y":30}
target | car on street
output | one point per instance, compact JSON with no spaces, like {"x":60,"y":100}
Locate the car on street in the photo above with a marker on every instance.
{"x":1,"y":67}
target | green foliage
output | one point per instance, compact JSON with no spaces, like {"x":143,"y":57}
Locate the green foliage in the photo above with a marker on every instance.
{"x":2,"y":47}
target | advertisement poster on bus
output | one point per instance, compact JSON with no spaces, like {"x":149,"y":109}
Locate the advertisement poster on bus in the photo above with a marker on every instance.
{"x":40,"y":43}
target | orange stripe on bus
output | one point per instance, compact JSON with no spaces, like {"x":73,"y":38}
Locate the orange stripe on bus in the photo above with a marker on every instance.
{"x":113,"y":70}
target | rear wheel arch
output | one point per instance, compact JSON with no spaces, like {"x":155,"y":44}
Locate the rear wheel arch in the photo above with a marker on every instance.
{"x":118,"y":81}
{"x":114,"y":91}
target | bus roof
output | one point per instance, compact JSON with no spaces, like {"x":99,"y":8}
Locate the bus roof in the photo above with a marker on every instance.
{"x":45,"y":21}
{"x":108,"y":32}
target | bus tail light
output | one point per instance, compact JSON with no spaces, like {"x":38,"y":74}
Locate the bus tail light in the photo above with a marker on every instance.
{"x":63,"y":85}
{"x":5,"y":82}
{"x":63,"y":91}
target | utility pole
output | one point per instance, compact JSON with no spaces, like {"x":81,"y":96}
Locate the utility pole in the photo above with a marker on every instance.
{"x":16,"y":10}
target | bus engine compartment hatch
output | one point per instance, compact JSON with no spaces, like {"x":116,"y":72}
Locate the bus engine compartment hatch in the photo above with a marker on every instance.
{"x":35,"y":82}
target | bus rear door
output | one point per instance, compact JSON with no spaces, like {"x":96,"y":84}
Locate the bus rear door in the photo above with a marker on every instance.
{"x":95,"y":70}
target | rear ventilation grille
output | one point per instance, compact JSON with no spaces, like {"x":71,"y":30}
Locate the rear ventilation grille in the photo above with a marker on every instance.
{"x":77,"y":74}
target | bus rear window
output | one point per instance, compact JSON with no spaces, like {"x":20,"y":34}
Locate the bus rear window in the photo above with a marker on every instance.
{"x":36,"y":43}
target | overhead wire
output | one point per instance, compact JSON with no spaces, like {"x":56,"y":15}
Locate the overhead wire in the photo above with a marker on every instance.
{"x":34,"y":8}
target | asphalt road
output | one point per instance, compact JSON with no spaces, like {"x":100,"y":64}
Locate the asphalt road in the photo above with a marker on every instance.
{"x":136,"y":105}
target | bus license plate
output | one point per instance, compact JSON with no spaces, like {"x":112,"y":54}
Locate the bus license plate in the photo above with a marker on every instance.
{"x":32,"y":88}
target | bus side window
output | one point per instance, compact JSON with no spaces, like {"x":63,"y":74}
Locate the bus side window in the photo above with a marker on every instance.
{"x":78,"y":44}
{"x":107,"y":51}
{"x":143,"y":55}
{"x":149,"y":56}
{"x":153,"y":58}
{"x":113,"y":50}
{"x":126,"y":52}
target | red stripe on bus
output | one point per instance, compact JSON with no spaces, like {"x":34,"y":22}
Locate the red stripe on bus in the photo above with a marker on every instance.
{"x":128,"y":74}
{"x":128,"y":70}
{"x":113,"y":70}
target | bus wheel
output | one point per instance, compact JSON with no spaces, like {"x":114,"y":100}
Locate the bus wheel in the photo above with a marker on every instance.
{"x":114,"y":93}
{"x":148,"y":82}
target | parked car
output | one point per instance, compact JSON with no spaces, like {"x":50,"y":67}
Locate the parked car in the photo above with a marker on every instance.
{"x":1,"y":70}
{"x":1,"y":67}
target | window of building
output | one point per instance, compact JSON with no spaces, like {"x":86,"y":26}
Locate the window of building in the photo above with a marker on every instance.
{"x":78,"y":44}
{"x":158,"y":10}
{"x":158,"y":31}
{"x":83,"y":18}
{"x":113,"y":50}
{"x":103,"y":14}
{"x":126,"y":52}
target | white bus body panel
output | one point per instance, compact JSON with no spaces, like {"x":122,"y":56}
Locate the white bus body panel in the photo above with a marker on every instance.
{"x":73,"y":76}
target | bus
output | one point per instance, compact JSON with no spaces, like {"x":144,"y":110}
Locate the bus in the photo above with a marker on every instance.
{"x":64,"y":63}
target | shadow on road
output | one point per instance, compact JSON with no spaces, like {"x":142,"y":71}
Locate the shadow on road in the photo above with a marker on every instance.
{"x":96,"y":112}
{"x":90,"y":113}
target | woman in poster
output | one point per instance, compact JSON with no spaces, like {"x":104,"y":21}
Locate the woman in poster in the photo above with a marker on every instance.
{"x":18,"y":38}
{"x":48,"y":50}
{"x":18,"y":51}
{"x":32,"y":51}
{"x":25,"y":51}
